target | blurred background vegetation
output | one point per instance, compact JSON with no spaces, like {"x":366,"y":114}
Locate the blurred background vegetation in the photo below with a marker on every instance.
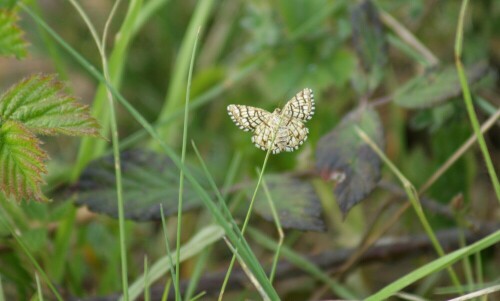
{"x":260,"y":53}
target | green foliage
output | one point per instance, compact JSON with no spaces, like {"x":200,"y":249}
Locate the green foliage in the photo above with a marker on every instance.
{"x":21,"y":162}
{"x":11,"y":37}
{"x":40,"y":104}
{"x":36,"y":105}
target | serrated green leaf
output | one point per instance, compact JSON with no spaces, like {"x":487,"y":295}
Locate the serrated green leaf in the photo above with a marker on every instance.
{"x":149,"y":179}
{"x":344,"y":158}
{"x":370,"y":44}
{"x":11,"y":37}
{"x":295,"y":200}
{"x":21,"y":162}
{"x":40,"y":103}
{"x":436,"y":87}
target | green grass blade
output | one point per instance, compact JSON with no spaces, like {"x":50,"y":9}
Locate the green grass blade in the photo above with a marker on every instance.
{"x":412,"y":194}
{"x":201,"y":263}
{"x":434,"y":266}
{"x":278,"y":227}
{"x":171,"y":262}
{"x":468,"y":101}
{"x":200,"y":241}
{"x":183,"y":160}
{"x":303,"y":263}
{"x":38,"y":288}
{"x":146,"y":280}
{"x":2,"y":295}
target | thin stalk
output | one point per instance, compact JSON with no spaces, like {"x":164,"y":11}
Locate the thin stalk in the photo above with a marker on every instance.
{"x":222,"y":204}
{"x":38,"y":288}
{"x":146,"y":279}
{"x":468,"y":101}
{"x":479,"y":272}
{"x":169,"y":254}
{"x":231,"y":173}
{"x":101,"y":45}
{"x":247,"y":271}
{"x":166,"y":290}
{"x":91,"y":148}
{"x":198,"y":296}
{"x":278,"y":227}
{"x":183,"y":159}
{"x":213,"y":185}
{"x":415,"y":202}
{"x":2,"y":295}
{"x":480,"y":293}
{"x":198,"y":269}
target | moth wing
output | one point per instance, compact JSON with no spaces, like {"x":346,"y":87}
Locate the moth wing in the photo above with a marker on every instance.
{"x":301,"y":106}
{"x":247,"y":118}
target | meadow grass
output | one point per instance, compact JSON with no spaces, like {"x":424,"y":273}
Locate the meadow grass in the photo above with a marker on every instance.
{"x":224,"y":226}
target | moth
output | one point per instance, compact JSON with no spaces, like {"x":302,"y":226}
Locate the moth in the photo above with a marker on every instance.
{"x":285,"y":125}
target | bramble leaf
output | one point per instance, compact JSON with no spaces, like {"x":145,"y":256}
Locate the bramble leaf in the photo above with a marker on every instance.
{"x":344,"y":158}
{"x":149,"y":179}
{"x":40,"y":103}
{"x":435,"y":87}
{"x":295,"y":200}
{"x":11,"y":37}
{"x":21,"y":162}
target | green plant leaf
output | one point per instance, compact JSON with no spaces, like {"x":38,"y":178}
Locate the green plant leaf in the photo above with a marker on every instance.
{"x":436,"y":87}
{"x":371,"y":46}
{"x":41,"y":105}
{"x":11,"y":37}
{"x":149,"y":180}
{"x":295,"y":200}
{"x":345,"y":159}
{"x":21,"y":162}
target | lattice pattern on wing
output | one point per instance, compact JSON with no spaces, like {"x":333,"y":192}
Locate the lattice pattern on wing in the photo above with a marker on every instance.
{"x":286,"y":127}
{"x":247,"y":118}
{"x":301,"y":106}
{"x":297,"y":134}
